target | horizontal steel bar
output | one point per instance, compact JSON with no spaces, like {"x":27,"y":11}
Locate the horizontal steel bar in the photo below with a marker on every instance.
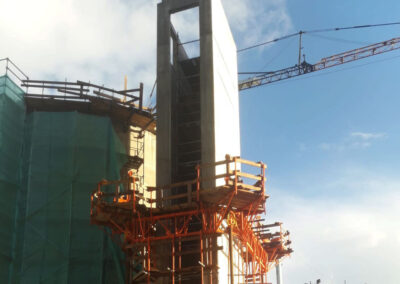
{"x":242,"y":174}
{"x":50,"y":82}
{"x":50,"y":96}
{"x":250,"y":163}
{"x":54,"y":87}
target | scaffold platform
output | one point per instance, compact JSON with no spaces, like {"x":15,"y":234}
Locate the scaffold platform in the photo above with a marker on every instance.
{"x":183,"y":219}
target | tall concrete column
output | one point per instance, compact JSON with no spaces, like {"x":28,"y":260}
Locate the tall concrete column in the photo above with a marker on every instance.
{"x":219,"y":100}
{"x":207,"y":86}
{"x":163,"y":174}
{"x":213,"y":98}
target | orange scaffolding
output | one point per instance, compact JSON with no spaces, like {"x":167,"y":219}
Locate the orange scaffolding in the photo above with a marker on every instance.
{"x":184,"y":220}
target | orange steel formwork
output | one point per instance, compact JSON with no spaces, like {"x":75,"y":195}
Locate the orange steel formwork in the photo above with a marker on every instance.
{"x":184,"y":219}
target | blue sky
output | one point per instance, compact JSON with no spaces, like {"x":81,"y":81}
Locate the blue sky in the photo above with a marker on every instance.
{"x":307,"y":127}
{"x":330,"y":139}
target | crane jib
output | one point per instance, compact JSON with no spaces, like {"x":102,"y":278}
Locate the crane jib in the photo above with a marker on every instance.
{"x":324,"y":63}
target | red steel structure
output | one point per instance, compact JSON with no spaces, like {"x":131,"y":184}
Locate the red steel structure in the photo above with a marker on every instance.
{"x":184,"y":219}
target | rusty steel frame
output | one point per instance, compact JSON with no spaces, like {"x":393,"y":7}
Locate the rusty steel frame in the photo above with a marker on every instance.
{"x":83,"y":91}
{"x":144,"y":228}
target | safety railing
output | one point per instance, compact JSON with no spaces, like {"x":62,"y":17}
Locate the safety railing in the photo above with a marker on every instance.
{"x":177,"y":194}
{"x":188,"y":193}
{"x":231,"y":171}
{"x":136,"y":147}
{"x":126,"y":196}
{"x":227,"y":173}
{"x":84,"y":91}
{"x":12,"y":70}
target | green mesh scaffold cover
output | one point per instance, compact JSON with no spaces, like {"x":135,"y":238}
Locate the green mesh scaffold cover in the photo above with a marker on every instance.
{"x":48,"y":237}
{"x":12,"y":116}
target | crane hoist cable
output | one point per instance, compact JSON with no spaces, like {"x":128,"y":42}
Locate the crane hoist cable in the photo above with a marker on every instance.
{"x":299,"y":33}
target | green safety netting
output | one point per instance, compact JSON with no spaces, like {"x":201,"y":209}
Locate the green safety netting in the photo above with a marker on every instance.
{"x":12,"y":115}
{"x":48,"y":237}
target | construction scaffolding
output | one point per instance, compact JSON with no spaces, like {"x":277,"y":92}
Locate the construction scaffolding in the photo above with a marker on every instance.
{"x":55,"y":146}
{"x":189,"y":230}
{"x":12,"y":117}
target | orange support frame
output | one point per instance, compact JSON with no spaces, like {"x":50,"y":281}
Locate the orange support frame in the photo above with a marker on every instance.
{"x":146,"y":226}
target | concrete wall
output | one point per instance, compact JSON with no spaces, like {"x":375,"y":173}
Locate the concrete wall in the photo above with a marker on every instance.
{"x":226,"y":94}
{"x":149,"y":159}
{"x":219,"y":88}
{"x":223,"y":262}
{"x":220,"y":132}
{"x":147,"y":172}
{"x":148,"y":168}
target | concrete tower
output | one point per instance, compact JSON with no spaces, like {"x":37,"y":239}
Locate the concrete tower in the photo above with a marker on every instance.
{"x":197,"y":98}
{"x":197,"y":106}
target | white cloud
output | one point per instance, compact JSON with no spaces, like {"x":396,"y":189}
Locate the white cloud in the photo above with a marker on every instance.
{"x":104,"y":40}
{"x":95,"y":40}
{"x":352,"y":237}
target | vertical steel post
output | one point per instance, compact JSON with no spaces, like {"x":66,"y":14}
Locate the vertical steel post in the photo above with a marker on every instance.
{"x":231,"y":255}
{"x":151,"y":203}
{"x":141,"y":97}
{"x":300,"y":47}
{"x":263,"y":183}
{"x":173,"y":260}
{"x":202,"y":258}
{"x":210,"y":258}
{"x":148,"y":261}
{"x":180,"y":260}
{"x":247,"y":264}
{"x":240,"y":263}
{"x":228,"y":160}
{"x":198,"y":183}
{"x":132,"y":179}
{"x":253,"y":268}
{"x":236,"y":177}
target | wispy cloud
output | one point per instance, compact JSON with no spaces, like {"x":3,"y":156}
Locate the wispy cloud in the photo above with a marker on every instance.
{"x":257,"y":20}
{"x":355,"y":140}
{"x":367,"y":136}
{"x":339,"y":238}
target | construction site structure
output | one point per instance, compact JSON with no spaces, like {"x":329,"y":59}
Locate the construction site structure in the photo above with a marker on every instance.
{"x":58,"y":139}
{"x":203,"y":222}
{"x":193,"y":214}
{"x":203,"y":227}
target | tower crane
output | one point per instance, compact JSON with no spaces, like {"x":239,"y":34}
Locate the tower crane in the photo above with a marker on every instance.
{"x":302,"y":68}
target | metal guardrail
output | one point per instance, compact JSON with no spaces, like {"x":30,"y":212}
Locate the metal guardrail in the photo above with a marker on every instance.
{"x":83,"y":91}
{"x":190,"y":190}
{"x":123,"y":197}
{"x":73,"y":91}
{"x":12,"y":70}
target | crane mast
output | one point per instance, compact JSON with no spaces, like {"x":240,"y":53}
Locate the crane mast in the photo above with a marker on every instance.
{"x":304,"y":68}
